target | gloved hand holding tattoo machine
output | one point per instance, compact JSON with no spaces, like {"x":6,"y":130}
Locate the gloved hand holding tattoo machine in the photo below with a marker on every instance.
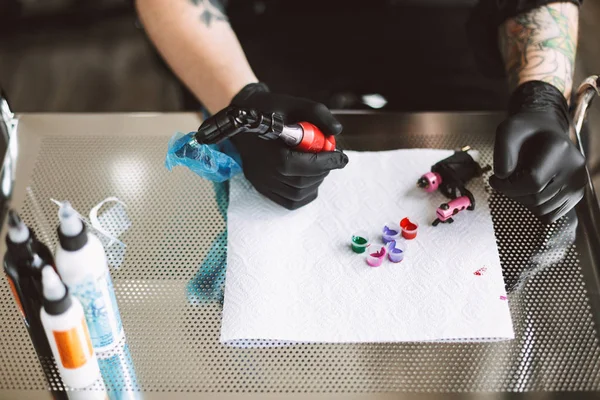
{"x":283,"y":156}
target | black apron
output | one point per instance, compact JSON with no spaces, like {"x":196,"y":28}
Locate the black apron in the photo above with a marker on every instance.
{"x":415,"y":54}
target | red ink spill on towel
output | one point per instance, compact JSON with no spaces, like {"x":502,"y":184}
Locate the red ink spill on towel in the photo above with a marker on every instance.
{"x":480,"y":271}
{"x":503,"y":298}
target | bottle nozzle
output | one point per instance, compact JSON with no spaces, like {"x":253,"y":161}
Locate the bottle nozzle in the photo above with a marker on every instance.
{"x":53,"y":288}
{"x":65,"y":210}
{"x":17,"y":230}
{"x":70,"y":224}
{"x":13,"y":218}
{"x":37,"y":261}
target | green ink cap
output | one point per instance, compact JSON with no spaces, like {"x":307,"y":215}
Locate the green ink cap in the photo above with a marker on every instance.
{"x":359,"y":243}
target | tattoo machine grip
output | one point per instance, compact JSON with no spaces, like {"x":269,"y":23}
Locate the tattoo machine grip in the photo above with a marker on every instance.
{"x":313,"y":140}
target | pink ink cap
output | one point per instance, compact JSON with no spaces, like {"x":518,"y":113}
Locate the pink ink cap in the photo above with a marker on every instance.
{"x":503,"y":298}
{"x":391,"y":232}
{"x":409,"y":229}
{"x":396,"y":251}
{"x":375,"y":256}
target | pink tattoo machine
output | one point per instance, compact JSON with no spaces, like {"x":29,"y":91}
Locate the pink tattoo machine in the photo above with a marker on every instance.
{"x":447,"y":211}
{"x":452,"y":174}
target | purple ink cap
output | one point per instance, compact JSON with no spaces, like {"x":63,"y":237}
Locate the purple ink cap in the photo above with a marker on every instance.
{"x":396,"y":251}
{"x":391,"y":231}
{"x":375,"y":255}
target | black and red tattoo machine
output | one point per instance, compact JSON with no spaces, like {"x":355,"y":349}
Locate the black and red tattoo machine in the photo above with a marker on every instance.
{"x":232,"y":120}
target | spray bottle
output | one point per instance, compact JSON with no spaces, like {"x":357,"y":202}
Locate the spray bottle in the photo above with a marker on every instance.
{"x":23,"y":263}
{"x":118,"y":372}
{"x":83,"y":266}
{"x":67,"y":332}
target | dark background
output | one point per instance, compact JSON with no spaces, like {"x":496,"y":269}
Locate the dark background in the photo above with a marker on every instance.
{"x":92,"y":56}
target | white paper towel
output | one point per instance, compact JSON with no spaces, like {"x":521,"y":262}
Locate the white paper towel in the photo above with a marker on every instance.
{"x":292,"y":276}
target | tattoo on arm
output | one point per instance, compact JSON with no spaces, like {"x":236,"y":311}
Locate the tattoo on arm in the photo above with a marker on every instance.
{"x":541,"y":45}
{"x":210,"y":11}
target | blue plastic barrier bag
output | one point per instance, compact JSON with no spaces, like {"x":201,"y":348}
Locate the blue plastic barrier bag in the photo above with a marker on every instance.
{"x":215,"y":162}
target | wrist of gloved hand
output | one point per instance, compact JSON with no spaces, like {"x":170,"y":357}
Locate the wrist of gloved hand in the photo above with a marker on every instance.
{"x":289,"y":178}
{"x":542,"y":97}
{"x":535,"y":163}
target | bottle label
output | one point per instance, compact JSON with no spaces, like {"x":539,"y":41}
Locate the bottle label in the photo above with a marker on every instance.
{"x":117,"y":368}
{"x":74,"y":346}
{"x":13,"y":289}
{"x":100,"y":308}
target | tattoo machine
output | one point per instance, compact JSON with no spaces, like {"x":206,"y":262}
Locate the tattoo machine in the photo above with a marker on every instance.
{"x":231,"y":121}
{"x":447,"y":211}
{"x":209,"y":155}
{"x":452,"y":174}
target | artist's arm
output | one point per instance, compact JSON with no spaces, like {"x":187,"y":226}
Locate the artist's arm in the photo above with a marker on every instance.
{"x":541,"y":45}
{"x":535,"y":163}
{"x":196,"y":40}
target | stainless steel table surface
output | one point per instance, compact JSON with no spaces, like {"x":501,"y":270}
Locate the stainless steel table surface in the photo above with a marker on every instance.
{"x":169,"y":287}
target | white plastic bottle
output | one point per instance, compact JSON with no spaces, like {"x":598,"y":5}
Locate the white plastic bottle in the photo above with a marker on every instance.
{"x":82,"y":264}
{"x":67,"y":332}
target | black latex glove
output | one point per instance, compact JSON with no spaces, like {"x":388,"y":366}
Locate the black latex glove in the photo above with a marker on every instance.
{"x":289,"y":178}
{"x":535,"y":163}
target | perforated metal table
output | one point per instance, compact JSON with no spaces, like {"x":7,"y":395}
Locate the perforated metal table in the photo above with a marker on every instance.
{"x":169,"y":287}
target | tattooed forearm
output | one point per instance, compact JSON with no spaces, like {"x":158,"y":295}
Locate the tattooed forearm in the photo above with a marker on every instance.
{"x":210,"y":11}
{"x":541,"y":45}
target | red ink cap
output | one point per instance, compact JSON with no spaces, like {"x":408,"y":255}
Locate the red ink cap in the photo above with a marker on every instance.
{"x":409,"y":229}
